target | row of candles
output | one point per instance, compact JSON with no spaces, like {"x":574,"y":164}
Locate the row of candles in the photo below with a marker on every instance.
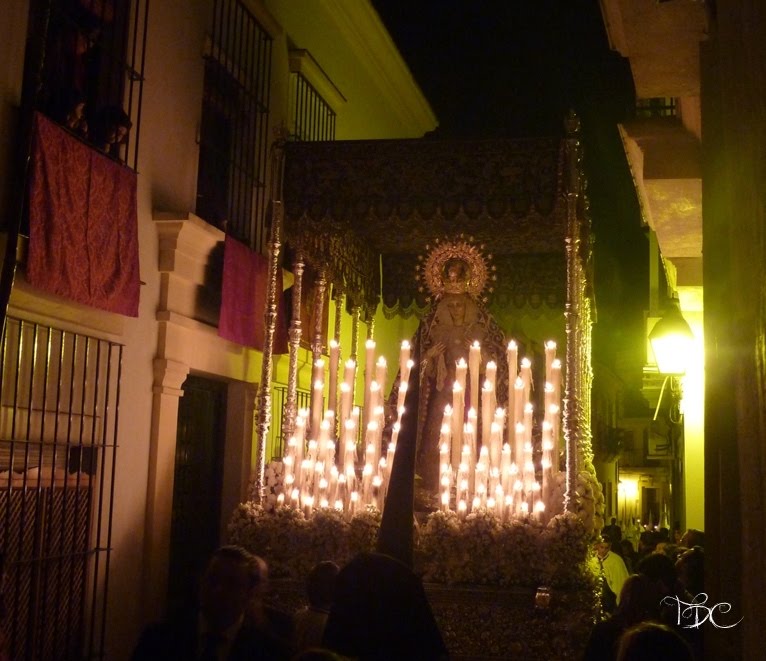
{"x":495,"y":471}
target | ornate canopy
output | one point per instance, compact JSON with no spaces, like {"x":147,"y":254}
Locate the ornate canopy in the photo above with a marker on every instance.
{"x":352,"y":205}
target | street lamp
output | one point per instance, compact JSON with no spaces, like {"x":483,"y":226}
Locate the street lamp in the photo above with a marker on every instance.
{"x":672,"y":341}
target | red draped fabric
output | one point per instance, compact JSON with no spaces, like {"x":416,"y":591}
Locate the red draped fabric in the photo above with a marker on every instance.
{"x":83,"y":232}
{"x":243,"y":298}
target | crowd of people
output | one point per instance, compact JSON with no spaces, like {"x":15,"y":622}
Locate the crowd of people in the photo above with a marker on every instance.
{"x":375,"y":607}
{"x":644,"y":593}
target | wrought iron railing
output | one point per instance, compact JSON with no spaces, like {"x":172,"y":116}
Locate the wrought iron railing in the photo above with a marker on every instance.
{"x":278,"y":400}
{"x":312,"y":117}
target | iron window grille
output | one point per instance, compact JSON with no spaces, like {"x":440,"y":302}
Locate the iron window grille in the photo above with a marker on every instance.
{"x":59,"y":399}
{"x":233,"y":153}
{"x":656,"y":107}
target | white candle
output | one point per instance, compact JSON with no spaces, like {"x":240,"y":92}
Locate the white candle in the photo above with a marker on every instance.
{"x":404,"y":358}
{"x":526,"y":377}
{"x":461,"y":368}
{"x":505,"y":468}
{"x":495,"y":442}
{"x":550,"y":354}
{"x":555,"y":418}
{"x":556,"y":379}
{"x":486,"y":412}
{"x":528,"y":413}
{"x":518,"y":402}
{"x":349,"y":374}
{"x":332,"y":392}
{"x":381,"y":374}
{"x":518,"y":455}
{"x":317,"y":393}
{"x":512,"y":358}
{"x":369,"y":376}
{"x":457,"y":420}
{"x":345,"y":402}
{"x":491,"y":376}
{"x":401,"y":396}
{"x":474,"y":364}
{"x":444,"y":449}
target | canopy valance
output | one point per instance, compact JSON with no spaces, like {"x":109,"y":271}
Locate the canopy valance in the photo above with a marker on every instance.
{"x":350,"y":205}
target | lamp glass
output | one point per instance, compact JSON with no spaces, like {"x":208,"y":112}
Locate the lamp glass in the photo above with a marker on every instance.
{"x":672,"y":343}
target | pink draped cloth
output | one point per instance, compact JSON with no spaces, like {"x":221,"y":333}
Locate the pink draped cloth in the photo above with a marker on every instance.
{"x":83,"y":231}
{"x":243,"y":299}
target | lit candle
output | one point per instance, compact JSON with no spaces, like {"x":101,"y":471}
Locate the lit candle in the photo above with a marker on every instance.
{"x":366,"y":484}
{"x":491,"y":370}
{"x":369,"y":376}
{"x":555,"y":418}
{"x":518,"y":455}
{"x":548,"y":397}
{"x":444,"y":450}
{"x":458,"y":405}
{"x":349,"y":445}
{"x":345,"y":402}
{"x":526,"y":377}
{"x":381,"y":374}
{"x":375,"y":498}
{"x":474,"y":363}
{"x":332,"y":392}
{"x":461,"y":368}
{"x":404,"y":357}
{"x":528,"y":413}
{"x":316,"y":406}
{"x":401,"y":396}
{"x":505,"y":467}
{"x":486,"y":412}
{"x":518,"y":402}
{"x":550,"y":354}
{"x":349,"y":374}
{"x":512,"y":358}
{"x":495,"y":441}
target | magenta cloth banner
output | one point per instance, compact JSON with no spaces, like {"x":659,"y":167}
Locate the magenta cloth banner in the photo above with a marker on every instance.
{"x":83,"y":230}
{"x":243,"y":298}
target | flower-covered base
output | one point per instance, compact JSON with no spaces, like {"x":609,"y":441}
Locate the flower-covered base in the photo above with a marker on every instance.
{"x":483,"y":576}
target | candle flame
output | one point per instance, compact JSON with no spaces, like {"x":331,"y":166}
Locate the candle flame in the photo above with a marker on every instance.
{"x":526,"y":363}
{"x":556,"y":364}
{"x":369,"y":344}
{"x":550,"y":344}
{"x":405,"y":344}
{"x":512,"y":345}
{"x":334,"y":343}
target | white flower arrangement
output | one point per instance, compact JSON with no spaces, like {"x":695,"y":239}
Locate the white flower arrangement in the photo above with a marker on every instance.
{"x":479,"y":549}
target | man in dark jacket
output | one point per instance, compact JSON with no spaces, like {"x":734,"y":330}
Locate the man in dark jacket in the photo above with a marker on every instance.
{"x":224,"y":628}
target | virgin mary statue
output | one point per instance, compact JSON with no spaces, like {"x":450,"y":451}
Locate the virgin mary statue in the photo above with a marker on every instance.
{"x":456,"y":274}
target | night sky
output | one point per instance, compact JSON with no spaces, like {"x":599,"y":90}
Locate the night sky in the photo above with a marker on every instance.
{"x":514,"y":68}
